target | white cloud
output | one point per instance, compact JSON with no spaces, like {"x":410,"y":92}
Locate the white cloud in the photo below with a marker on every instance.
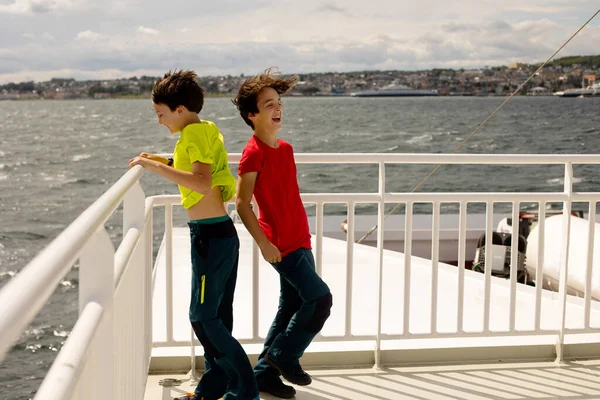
{"x":147,"y":31}
{"x":545,"y":9}
{"x":37,"y":6}
{"x":246,"y":36}
{"x":330,"y":8}
{"x":88,"y":35}
{"x":46,"y":36}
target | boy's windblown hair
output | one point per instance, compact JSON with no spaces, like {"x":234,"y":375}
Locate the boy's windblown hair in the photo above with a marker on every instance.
{"x":179,"y":88}
{"x":246,"y":99}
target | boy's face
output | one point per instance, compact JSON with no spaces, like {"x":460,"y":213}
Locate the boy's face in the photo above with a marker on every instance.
{"x":173,"y":120}
{"x":270,"y":111}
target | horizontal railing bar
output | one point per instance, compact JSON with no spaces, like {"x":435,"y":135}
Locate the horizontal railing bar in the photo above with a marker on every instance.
{"x":60,"y":381}
{"x":578,"y":331}
{"x":473,"y":197}
{"x":585,"y":197}
{"x":351,"y":338}
{"x":434,"y":158}
{"x":366,"y":198}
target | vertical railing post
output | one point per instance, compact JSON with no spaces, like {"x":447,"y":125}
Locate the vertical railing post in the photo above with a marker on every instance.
{"x":169,"y":269}
{"x":134,"y":208}
{"x":255,"y":280}
{"x":349,"y":267}
{"x":564,"y":260}
{"x":590,"y":263}
{"x":539,"y":270}
{"x":134,"y":212}
{"x":489,"y":243}
{"x":514,"y":253}
{"x":462,"y":246}
{"x":148,"y":283}
{"x":380,"y":232}
{"x":408,"y":223}
{"x":319,"y":231}
{"x":435,"y":256}
{"x":96,"y":283}
{"x":193,"y":374}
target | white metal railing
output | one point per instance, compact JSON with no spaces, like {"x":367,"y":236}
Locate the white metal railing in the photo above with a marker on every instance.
{"x":381,"y":197}
{"x":107,"y":353}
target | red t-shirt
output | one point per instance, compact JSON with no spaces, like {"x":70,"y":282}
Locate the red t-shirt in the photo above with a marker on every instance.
{"x":282,"y":214}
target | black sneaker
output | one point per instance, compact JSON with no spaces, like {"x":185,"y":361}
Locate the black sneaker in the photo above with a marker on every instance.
{"x":276,"y":387}
{"x":295,"y":374}
{"x":189,"y":396}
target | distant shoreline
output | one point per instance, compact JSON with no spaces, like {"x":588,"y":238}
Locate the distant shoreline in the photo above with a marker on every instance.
{"x":231,"y":95}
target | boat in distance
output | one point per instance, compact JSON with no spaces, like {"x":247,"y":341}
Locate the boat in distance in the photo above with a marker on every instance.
{"x":396,"y":90}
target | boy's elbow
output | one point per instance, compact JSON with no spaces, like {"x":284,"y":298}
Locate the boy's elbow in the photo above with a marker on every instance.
{"x":241,"y":204}
{"x":203,"y":185}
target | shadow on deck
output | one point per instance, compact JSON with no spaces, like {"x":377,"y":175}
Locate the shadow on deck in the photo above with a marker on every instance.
{"x":541,"y":380}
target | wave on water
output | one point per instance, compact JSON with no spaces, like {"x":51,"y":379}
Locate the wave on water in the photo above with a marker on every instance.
{"x":226,"y":118}
{"x":42,"y":338}
{"x":427,"y":137}
{"x":79,"y":157}
{"x":561,"y":181}
{"x":24,"y":235}
{"x":86,"y":181}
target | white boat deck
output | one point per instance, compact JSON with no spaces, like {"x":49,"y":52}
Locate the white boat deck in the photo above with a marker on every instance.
{"x":348,"y":374}
{"x":540,"y":380}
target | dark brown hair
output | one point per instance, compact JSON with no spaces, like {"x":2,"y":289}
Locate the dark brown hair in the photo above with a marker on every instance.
{"x":246,"y":99}
{"x":179,"y":88}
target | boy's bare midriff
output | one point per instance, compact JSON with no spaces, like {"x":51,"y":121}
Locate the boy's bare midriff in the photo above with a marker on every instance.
{"x":211,"y":206}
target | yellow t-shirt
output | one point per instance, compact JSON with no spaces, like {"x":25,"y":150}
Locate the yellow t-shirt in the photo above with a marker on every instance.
{"x":203,"y":142}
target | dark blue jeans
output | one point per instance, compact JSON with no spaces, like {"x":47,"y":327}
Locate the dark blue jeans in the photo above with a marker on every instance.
{"x":304,"y":306}
{"x":215,"y":251}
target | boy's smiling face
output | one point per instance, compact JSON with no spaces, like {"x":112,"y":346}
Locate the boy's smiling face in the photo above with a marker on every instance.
{"x":270,"y":111}
{"x":173,"y":120}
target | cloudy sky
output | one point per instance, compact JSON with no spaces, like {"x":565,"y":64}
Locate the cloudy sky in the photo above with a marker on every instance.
{"x":102,"y":39}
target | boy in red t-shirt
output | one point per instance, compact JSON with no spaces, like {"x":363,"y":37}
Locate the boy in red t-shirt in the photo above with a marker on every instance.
{"x":267,"y":170}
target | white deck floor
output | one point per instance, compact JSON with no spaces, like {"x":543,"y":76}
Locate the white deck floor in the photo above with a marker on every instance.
{"x":547,"y":380}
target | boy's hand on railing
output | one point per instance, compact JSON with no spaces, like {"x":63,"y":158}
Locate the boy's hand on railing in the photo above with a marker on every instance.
{"x":145,"y":162}
{"x":270,"y":252}
{"x":154,"y":157}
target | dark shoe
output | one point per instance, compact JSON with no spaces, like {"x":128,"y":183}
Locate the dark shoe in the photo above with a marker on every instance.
{"x":295,"y":374}
{"x":189,"y":396}
{"x":277,"y":388}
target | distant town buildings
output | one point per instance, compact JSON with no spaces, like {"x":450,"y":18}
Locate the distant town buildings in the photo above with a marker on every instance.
{"x":503,"y":80}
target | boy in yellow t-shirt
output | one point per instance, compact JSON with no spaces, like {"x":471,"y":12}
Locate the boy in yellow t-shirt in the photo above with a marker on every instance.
{"x":199,"y":166}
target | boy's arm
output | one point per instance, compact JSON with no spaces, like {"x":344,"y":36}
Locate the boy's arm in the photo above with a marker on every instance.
{"x":245,"y":190}
{"x":199,"y":180}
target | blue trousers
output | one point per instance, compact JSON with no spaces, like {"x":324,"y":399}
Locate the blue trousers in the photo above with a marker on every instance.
{"x":215,"y":251}
{"x":304,"y":305}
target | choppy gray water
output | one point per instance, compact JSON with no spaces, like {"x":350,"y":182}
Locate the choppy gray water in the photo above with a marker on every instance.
{"x":57,"y":157}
